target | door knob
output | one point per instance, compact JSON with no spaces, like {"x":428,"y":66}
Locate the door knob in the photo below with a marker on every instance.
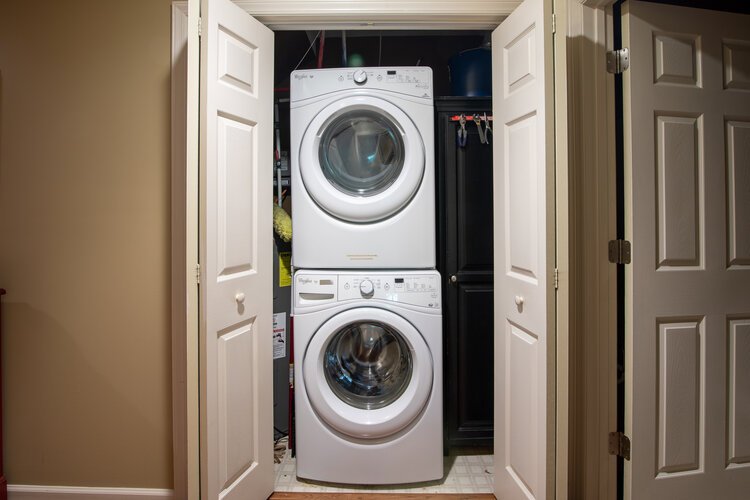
{"x":453,"y":278}
{"x":240,"y":298}
{"x":519,"y":300}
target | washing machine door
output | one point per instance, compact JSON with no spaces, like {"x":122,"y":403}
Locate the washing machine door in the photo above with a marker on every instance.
{"x":368,"y":372}
{"x":362,"y":159}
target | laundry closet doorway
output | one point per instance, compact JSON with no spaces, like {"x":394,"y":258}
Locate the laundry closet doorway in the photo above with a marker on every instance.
{"x":227,"y":210}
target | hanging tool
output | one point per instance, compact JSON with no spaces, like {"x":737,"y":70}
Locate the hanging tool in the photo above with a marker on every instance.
{"x":277,"y":158}
{"x":487,"y":128}
{"x":462,"y":131}
{"x":478,"y":121}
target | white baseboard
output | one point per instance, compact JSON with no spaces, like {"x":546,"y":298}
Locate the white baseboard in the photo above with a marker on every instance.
{"x":32,"y":492}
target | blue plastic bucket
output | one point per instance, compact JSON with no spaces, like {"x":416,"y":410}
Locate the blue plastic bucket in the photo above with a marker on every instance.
{"x":471,"y":72}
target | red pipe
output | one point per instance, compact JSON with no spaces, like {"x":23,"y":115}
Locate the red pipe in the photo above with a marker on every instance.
{"x":321,"y":48}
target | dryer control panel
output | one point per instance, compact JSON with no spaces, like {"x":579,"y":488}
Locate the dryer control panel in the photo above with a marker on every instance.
{"x":409,"y":287}
{"x":414,"y":81}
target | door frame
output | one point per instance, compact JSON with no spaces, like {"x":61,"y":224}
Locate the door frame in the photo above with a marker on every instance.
{"x":377,"y":14}
{"x":593,"y":279}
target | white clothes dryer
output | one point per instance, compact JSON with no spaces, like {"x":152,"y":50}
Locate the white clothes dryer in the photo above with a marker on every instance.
{"x":368,"y":376}
{"x":363,"y":168}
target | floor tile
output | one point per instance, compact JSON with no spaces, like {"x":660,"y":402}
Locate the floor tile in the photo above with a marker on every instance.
{"x":464,"y":474}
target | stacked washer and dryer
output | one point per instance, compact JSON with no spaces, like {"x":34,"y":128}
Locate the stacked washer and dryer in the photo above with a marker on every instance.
{"x":366,"y":296}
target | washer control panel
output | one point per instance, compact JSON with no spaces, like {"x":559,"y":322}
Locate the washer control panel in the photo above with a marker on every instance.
{"x":410,"y":287}
{"x":418,"y":290}
{"x":413,"y":81}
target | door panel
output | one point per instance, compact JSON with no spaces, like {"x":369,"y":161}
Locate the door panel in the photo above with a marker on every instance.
{"x":236,"y":267}
{"x":465,"y":251}
{"x":739,"y":392}
{"x":474,"y":360}
{"x":524,"y":304}
{"x":738,"y":185}
{"x":688,"y":287}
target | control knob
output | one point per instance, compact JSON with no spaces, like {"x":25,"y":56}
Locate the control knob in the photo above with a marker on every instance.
{"x":360,"y":76}
{"x":366,"y":288}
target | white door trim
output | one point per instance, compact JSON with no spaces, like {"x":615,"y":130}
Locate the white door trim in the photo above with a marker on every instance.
{"x":592,"y":280}
{"x":379,"y":14}
{"x":184,"y":190}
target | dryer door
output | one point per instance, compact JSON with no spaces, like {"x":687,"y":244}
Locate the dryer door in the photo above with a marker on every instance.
{"x":362,"y":159}
{"x":368,"y":372}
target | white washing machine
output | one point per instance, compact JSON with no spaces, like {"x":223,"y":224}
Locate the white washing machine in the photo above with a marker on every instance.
{"x":368,"y":376}
{"x":363,"y":168}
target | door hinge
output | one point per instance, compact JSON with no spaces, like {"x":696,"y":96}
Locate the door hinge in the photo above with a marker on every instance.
{"x":198,"y":273}
{"x":556,"y":279}
{"x":619,"y":445}
{"x":619,"y":251}
{"x":618,"y":60}
{"x":200,"y":26}
{"x":554,"y":24}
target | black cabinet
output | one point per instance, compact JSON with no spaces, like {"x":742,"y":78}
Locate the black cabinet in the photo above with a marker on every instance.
{"x":464,"y":184}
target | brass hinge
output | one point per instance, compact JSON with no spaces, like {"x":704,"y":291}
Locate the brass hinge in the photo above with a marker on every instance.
{"x":619,"y":251}
{"x":619,"y":445}
{"x":556,"y":279}
{"x":200,"y":26}
{"x":618,"y":60}
{"x":554,"y":24}
{"x":198,"y":273}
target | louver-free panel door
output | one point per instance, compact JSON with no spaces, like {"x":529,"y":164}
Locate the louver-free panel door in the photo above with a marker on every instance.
{"x":523,"y":245}
{"x":235,"y":254}
{"x":687,"y":159}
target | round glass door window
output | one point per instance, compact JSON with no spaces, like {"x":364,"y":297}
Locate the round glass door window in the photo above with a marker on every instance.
{"x":361,"y":152}
{"x":368,"y":365}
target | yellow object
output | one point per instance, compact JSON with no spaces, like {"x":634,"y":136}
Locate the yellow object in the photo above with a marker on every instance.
{"x":282,"y":223}
{"x":285,"y":269}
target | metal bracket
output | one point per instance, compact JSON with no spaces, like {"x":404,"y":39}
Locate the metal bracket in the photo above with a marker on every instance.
{"x":619,"y":445}
{"x":619,"y":251}
{"x":618,"y":60}
{"x":556,"y":279}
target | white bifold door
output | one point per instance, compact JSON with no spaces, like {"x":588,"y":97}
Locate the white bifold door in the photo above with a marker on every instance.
{"x":524,"y":253}
{"x":687,"y":180}
{"x":236,"y":120}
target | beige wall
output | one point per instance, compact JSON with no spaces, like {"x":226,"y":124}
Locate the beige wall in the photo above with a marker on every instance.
{"x":84,"y":241}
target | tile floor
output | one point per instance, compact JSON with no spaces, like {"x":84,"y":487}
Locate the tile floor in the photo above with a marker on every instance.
{"x":463,"y":474}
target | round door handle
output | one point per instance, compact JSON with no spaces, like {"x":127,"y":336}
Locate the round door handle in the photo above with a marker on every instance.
{"x":240,"y":298}
{"x":454,"y":278}
{"x":519,"y":300}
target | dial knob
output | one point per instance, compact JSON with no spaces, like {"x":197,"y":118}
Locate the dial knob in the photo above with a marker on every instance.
{"x":360,"y":76}
{"x":366,"y":288}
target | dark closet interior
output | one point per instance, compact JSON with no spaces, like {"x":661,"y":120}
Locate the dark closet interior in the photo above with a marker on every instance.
{"x":463,"y":205}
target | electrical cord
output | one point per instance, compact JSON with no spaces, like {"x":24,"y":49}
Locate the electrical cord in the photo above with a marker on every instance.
{"x":307,"y":51}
